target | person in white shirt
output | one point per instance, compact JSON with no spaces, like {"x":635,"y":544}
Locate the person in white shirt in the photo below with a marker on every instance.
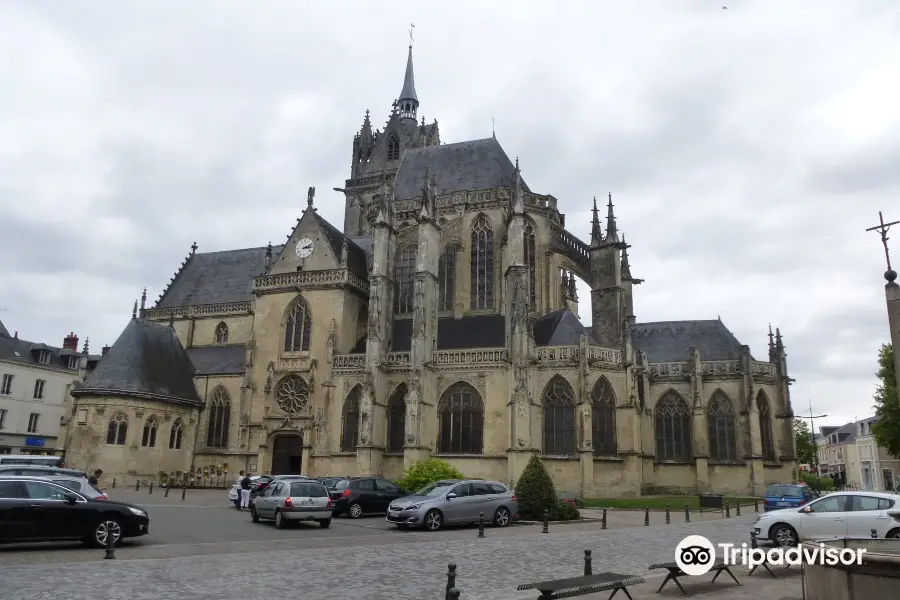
{"x":245,"y":492}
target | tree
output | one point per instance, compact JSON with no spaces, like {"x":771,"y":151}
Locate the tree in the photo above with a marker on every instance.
{"x":535,"y":490}
{"x":423,"y":472}
{"x":887,"y":405}
{"x":806,"y":451}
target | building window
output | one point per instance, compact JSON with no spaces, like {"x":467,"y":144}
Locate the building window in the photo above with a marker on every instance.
{"x":2,"y":418}
{"x":393,"y":148}
{"x":558,"y":401}
{"x":886,"y":474}
{"x":350,"y":429}
{"x":39,"y":389}
{"x":721,"y":428}
{"x":460,"y":421}
{"x":298,"y":327}
{"x":765,"y":428}
{"x":117,"y":430}
{"x":44,"y":357}
{"x":148,"y":440}
{"x":6,"y":385}
{"x":482,"y":264}
{"x":603,"y":418}
{"x":175,"y":435}
{"x":33,"y":419}
{"x":404,"y":276}
{"x":673,"y":429}
{"x":447,"y":276}
{"x":73,"y":362}
{"x":396,"y":414}
{"x":219,"y":419}
{"x":531,"y":264}
{"x":292,"y":394}
{"x":222,"y":333}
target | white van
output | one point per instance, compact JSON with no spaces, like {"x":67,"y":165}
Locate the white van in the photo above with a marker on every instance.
{"x":30,"y":459}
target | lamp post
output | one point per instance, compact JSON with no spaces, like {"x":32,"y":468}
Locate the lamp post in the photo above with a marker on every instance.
{"x":812,"y":434}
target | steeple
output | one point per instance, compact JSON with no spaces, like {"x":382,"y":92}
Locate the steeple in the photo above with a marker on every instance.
{"x":518,"y":207}
{"x":772,"y":353}
{"x":596,"y":231}
{"x":408,"y":101}
{"x":626,"y":267}
{"x":611,"y":232}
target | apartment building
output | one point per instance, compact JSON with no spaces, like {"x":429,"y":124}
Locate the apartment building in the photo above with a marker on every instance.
{"x":878,"y":471}
{"x":838,"y":452}
{"x":35,"y":381}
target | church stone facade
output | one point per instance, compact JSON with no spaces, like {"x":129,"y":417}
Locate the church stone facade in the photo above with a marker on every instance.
{"x":441,"y":321}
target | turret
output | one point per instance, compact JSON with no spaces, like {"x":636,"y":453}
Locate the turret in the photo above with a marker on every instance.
{"x":408,"y":102}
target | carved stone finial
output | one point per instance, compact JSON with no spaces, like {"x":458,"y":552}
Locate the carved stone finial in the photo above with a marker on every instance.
{"x":310,"y":194}
{"x":194,"y":247}
{"x":144,"y":299}
{"x":134,"y":310}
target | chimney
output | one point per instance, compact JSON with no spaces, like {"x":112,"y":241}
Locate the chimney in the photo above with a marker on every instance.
{"x":105,"y":350}
{"x":71,"y":342}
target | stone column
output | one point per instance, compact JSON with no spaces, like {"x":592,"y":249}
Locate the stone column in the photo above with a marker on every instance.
{"x":586,"y":445}
{"x":700,"y":435}
{"x":892,"y":295}
{"x":750,"y":412}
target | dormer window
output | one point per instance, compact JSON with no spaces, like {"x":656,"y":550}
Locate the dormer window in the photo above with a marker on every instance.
{"x":44,"y":357}
{"x":393,"y":148}
{"x":73,"y":362}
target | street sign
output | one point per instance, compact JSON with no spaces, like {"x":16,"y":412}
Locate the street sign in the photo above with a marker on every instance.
{"x":39,"y":442}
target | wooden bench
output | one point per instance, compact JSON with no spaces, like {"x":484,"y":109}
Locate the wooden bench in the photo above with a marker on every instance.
{"x":674,"y":572}
{"x":586,"y":584}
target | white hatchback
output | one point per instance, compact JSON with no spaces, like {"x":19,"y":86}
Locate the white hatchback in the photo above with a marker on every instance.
{"x":835,"y":516}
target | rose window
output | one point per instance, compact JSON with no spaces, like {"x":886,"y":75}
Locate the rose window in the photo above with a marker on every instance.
{"x":293,"y":394}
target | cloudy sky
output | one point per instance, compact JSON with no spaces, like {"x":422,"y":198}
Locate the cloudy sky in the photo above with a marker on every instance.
{"x":747,"y":149}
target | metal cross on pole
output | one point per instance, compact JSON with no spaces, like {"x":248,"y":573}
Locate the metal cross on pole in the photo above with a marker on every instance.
{"x":883,"y":228}
{"x":812,"y":433}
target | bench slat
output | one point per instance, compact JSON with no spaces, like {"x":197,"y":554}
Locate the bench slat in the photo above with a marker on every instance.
{"x":577,"y":586}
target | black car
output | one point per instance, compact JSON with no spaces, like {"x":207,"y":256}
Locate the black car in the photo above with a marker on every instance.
{"x":36,"y":510}
{"x":40,"y":471}
{"x":330,"y":482}
{"x":356,"y":496}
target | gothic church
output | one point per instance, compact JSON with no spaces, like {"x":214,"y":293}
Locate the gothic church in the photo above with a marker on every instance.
{"x":441,"y":321}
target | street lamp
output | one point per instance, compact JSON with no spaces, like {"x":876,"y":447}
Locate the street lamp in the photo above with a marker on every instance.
{"x":812,"y":433}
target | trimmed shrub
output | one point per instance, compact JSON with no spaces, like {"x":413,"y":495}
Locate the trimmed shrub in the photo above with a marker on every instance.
{"x":823,"y":484}
{"x":535,"y":490}
{"x":423,"y":472}
{"x":564,"y":510}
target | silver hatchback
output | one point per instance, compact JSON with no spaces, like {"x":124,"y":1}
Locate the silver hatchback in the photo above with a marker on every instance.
{"x":287,"y":501}
{"x":455,"y":502}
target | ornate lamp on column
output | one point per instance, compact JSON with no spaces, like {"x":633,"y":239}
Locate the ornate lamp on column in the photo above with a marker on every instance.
{"x":892,"y":294}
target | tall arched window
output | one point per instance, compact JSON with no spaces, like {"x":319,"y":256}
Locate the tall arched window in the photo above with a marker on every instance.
{"x":148,"y":440}
{"x":558,"y":400}
{"x":117,"y":430}
{"x":482,"y":264}
{"x":765,"y":426}
{"x":603,"y":418}
{"x":219,"y":409}
{"x":447,"y":276}
{"x":531,"y":264}
{"x":350,"y":425}
{"x":461,"y":420}
{"x":175,"y":435}
{"x":396,"y":415}
{"x":222,"y":333}
{"x":297,"y":327}
{"x":404,"y":276}
{"x":721,"y":428}
{"x":393,"y":148}
{"x":673,"y":429}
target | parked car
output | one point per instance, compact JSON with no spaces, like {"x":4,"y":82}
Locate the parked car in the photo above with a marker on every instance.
{"x":37,"y":510}
{"x":39,"y":471}
{"x":787,"y":495}
{"x":288,"y":500}
{"x":329,"y":482}
{"x":31,"y":459}
{"x":455,"y":502}
{"x":258,"y":483}
{"x":356,"y":496}
{"x":837,"y":515}
{"x":76,"y":484}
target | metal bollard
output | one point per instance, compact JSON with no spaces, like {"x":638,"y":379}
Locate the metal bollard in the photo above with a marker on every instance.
{"x":114,"y":483}
{"x":166,"y":495}
{"x":755,"y":505}
{"x":481,"y":525}
{"x":603,"y":520}
{"x":874,"y":534}
{"x":453,"y":594}
{"x":451,"y":579}
{"x":687,"y":513}
{"x":737,"y":508}
{"x":753,"y":542}
{"x":151,"y":488}
{"x":727,"y":510}
{"x":668,"y":517}
{"x":183,"y":490}
{"x":137,"y":486}
{"x":110,"y":545}
{"x":546,"y":521}
{"x":646,"y":517}
{"x":587,"y":563}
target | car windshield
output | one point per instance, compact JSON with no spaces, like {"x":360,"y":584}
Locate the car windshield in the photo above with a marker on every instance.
{"x":792,"y":491}
{"x":343,"y":484}
{"x":308,"y":490}
{"x":433,"y":490}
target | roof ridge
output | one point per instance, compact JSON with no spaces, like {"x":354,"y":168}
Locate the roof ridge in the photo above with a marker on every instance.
{"x":177,"y":275}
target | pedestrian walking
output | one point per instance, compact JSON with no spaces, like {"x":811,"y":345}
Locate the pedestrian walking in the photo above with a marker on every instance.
{"x":245,"y":492}
{"x":94,"y":479}
{"x":237,"y":486}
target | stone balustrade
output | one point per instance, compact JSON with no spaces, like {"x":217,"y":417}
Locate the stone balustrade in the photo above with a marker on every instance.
{"x":200,"y":310}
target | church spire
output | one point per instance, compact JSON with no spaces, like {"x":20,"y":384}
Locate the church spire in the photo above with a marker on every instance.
{"x":612,"y":234}
{"x":596,"y":231}
{"x":408,"y":101}
{"x":626,"y":266}
{"x":518,"y":207}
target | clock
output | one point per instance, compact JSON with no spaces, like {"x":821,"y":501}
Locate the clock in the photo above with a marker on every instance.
{"x":304,"y":248}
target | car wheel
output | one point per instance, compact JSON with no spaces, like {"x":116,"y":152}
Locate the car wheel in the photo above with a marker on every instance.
{"x":893,"y":534}
{"x":253,"y":516}
{"x":280,"y":522}
{"x":355,"y":510}
{"x":103,"y":529}
{"x":501,"y":517}
{"x":325,"y":523}
{"x":433,"y":520}
{"x":783,"y":535}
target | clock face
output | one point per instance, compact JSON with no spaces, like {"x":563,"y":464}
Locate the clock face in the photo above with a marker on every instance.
{"x":304,"y":248}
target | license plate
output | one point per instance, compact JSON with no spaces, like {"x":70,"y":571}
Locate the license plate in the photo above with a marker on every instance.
{"x":783,"y":504}
{"x":307,"y":503}
{"x":394,"y":513}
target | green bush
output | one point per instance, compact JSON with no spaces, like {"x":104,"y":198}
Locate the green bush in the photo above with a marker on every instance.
{"x":535,"y":491}
{"x":822,"y":484}
{"x":423,"y":472}
{"x":564,"y":510}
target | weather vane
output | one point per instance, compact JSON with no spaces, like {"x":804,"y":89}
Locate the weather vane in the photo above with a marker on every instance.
{"x":411,"y":40}
{"x":883,"y":228}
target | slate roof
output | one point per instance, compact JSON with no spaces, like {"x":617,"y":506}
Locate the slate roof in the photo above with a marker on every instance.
{"x":409,"y":81}
{"x":473,"y":165}
{"x":216,"y":278}
{"x":146,"y":361}
{"x":3,"y":331}
{"x":227,"y":359}
{"x":476,"y":331}
{"x":356,"y":256}
{"x":559,"y":328}
{"x":666,"y":341}
{"x":22,"y":351}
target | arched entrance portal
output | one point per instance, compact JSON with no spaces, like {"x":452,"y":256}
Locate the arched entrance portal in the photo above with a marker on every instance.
{"x":287,"y":455}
